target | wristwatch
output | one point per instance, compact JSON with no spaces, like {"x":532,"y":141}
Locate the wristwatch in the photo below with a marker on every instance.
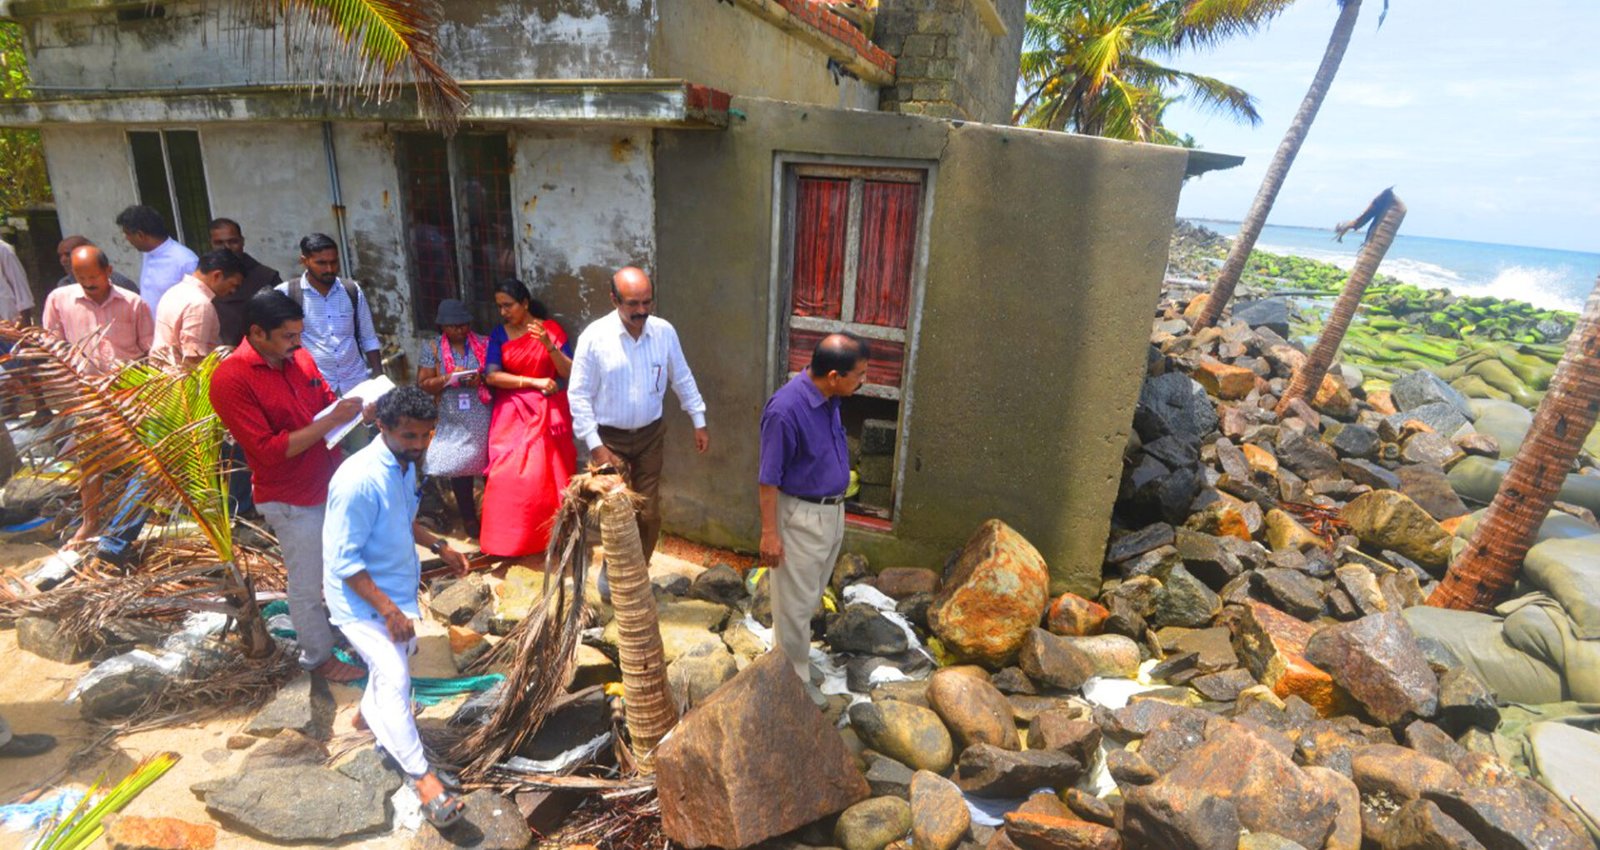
{"x":438,"y":545}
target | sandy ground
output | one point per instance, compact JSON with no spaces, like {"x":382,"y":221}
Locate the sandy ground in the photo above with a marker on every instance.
{"x":33,"y":690}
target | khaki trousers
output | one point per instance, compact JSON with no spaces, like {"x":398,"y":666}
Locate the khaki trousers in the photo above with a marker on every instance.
{"x":812,"y":535}
{"x":642,"y":450}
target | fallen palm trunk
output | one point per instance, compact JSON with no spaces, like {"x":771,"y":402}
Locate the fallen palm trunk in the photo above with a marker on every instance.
{"x":544,"y":644}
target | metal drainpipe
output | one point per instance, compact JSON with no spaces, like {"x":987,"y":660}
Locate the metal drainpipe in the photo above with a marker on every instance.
{"x":345,"y":265}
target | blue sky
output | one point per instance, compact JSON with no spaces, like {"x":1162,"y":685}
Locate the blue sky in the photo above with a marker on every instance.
{"x":1484,"y":116}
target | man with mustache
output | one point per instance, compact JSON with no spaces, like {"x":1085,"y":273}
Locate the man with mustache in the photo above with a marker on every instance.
{"x":268,"y":393}
{"x":624,"y":362}
{"x":369,"y":549}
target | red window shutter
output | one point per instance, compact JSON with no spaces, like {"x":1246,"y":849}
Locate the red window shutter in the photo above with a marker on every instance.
{"x":888,"y":248}
{"x":820,"y":230}
{"x":884,"y":368}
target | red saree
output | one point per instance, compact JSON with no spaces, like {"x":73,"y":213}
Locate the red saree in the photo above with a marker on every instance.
{"x":531,"y":453}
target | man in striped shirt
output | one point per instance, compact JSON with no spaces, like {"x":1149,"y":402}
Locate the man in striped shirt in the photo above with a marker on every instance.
{"x":624,"y":362}
{"x":338,"y":324}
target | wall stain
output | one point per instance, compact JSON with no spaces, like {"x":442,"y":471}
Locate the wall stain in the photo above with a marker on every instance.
{"x":622,"y":149}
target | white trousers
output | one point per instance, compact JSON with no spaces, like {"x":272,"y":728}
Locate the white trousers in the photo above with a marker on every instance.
{"x":386,"y":703}
{"x":812,"y":535}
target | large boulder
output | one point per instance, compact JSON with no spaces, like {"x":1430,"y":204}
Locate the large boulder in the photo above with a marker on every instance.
{"x":1378,"y":661}
{"x":1388,"y":519}
{"x":305,"y":705}
{"x":992,"y":596}
{"x":713,"y":794}
{"x":490,"y":822}
{"x":1272,"y":646}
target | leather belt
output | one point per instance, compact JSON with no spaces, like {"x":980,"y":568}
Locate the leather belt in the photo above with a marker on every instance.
{"x":818,"y":500}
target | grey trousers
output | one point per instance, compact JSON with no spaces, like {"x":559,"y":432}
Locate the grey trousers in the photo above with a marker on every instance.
{"x":5,"y":731}
{"x":812,"y":535}
{"x":299,"y":533}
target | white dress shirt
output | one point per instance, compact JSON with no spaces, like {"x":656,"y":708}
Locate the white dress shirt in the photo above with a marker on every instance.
{"x":337,"y":333}
{"x":161,"y":270}
{"x":619,"y":381}
{"x":15,"y":296}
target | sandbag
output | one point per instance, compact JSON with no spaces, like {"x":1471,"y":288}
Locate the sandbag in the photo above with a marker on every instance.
{"x":1473,"y":386}
{"x":1566,"y":759}
{"x":1506,"y":421}
{"x":1569,"y":570}
{"x":1477,"y":478}
{"x":1478,"y":641}
{"x":1556,"y":526}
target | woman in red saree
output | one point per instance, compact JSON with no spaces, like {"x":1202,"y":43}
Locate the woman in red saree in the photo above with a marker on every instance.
{"x":531,"y":449}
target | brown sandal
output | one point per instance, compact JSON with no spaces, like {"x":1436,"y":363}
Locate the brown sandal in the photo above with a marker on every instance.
{"x":338,"y":672}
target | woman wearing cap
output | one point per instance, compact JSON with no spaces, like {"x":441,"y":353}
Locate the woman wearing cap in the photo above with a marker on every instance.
{"x":531,"y":450}
{"x":449,"y":368}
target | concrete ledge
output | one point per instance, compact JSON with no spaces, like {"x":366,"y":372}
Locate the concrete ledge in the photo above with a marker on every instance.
{"x":640,"y":103}
{"x":1201,"y":162}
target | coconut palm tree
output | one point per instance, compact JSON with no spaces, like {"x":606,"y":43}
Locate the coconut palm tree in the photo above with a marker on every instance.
{"x":1087,"y":65}
{"x":1278,"y":169}
{"x":1488,"y":566}
{"x":1385,"y":212}
{"x":154,"y":442}
{"x":378,"y":44}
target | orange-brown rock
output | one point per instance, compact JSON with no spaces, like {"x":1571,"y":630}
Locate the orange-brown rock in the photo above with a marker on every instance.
{"x":1272,"y":646}
{"x":463,"y":639}
{"x":1382,"y":402}
{"x":1074,"y":616}
{"x":1045,"y":832}
{"x":1260,"y":459}
{"x":993,"y":595}
{"x":1225,"y":381}
{"x":714,"y":794}
{"x":1333,"y":397}
{"x":131,"y":832}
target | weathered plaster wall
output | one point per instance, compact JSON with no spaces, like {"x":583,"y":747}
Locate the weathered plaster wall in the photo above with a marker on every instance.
{"x":1031,"y":344}
{"x":725,"y":46}
{"x":199,"y":43}
{"x":584,"y":207}
{"x":949,"y":63}
{"x":272,"y":179}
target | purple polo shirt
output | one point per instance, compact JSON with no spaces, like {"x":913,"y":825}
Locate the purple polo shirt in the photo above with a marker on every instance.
{"x":803,"y":451}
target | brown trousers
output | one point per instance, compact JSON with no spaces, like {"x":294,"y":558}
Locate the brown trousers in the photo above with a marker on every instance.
{"x":642,"y":450}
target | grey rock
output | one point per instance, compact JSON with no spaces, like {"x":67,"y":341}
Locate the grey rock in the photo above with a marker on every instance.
{"x":1442,"y":417}
{"x":1306,"y":455}
{"x":695,"y":676}
{"x":1224,"y":686}
{"x":721,"y":584}
{"x":305,"y":705}
{"x":460,"y":601}
{"x":1054,"y":661}
{"x":1378,"y":661}
{"x":491,"y":822}
{"x":1156,"y":562}
{"x":1174,"y":452}
{"x":297,"y":805}
{"x":1173,"y":403}
{"x":1184,"y":600}
{"x":989,"y":771}
{"x":45,"y":638}
{"x":120,"y":694}
{"x":1291,"y":591}
{"x":849,"y":569}
{"x":1366,"y":472}
{"x":368,"y":768}
{"x":1269,"y":313}
{"x":1356,"y":441}
{"x":1434,"y":449}
{"x":1427,"y":485}
{"x":1465,"y":701}
{"x":863,"y":628}
{"x":1422,"y":388}
{"x":292,"y":749}
{"x":1206,"y":559}
{"x":889,"y":778}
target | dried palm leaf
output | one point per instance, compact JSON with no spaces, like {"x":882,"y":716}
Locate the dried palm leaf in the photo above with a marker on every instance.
{"x":543,"y":647}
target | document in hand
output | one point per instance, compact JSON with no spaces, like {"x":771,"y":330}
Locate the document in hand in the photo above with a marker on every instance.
{"x":368,"y":391}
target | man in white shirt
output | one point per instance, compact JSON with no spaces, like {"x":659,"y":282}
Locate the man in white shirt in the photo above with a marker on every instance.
{"x":338,"y":324}
{"x":624,"y":362}
{"x":16,"y":298}
{"x":165,"y":261}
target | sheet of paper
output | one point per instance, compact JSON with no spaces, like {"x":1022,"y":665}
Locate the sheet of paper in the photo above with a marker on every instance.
{"x":367,"y":391}
{"x":457,"y":375}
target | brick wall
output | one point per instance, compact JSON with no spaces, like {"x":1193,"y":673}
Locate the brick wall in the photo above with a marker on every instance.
{"x":948,"y":63}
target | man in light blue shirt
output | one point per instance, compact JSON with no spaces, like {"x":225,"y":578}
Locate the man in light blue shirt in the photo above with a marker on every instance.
{"x":166,"y":261}
{"x":370,"y":577}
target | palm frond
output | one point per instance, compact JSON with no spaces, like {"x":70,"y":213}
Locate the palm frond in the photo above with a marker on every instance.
{"x":374,"y":45}
{"x":1206,"y":23}
{"x":1209,"y":93}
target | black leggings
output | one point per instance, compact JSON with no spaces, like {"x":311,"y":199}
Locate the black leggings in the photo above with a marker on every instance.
{"x":466,"y":501}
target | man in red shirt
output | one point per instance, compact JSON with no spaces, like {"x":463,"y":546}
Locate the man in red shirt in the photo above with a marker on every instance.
{"x":267,"y":392}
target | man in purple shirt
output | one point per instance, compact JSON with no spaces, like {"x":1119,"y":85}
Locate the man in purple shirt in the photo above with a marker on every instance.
{"x":805,"y":469}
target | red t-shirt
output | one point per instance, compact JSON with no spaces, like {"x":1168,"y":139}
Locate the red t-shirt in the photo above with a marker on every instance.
{"x":260,"y":405}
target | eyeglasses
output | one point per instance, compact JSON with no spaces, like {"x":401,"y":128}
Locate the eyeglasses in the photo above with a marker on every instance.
{"x":632,"y":305}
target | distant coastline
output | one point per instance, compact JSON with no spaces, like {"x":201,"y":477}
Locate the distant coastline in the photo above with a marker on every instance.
{"x":1544,"y":277}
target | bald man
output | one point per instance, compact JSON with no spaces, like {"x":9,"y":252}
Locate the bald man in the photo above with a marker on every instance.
{"x":64,"y":250}
{"x":805,"y":470}
{"x":624,"y":362}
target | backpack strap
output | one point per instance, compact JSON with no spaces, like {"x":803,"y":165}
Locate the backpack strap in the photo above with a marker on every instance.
{"x":295,"y":293}
{"x":354,"y":293}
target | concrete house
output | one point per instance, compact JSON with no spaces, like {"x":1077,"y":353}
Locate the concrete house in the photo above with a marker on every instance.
{"x":777,"y":171}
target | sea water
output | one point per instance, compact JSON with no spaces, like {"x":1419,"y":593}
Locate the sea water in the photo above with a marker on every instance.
{"x":1545,"y":277}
